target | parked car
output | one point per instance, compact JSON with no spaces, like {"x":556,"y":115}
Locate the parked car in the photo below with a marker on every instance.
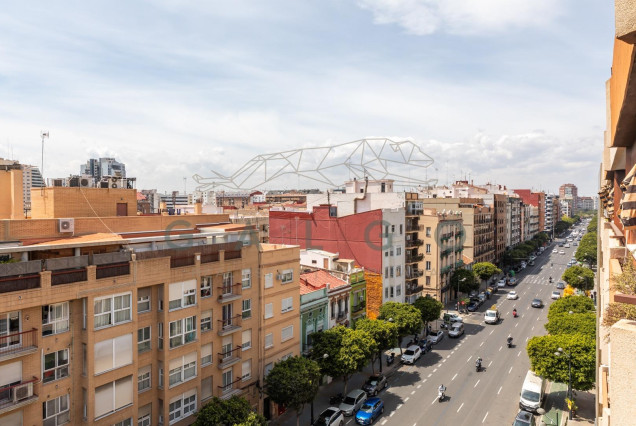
{"x":555,"y":250}
{"x":375,"y":384}
{"x":482,"y":297}
{"x":425,"y":345}
{"x":524,"y":418}
{"x":537,"y":303}
{"x":560,"y":285}
{"x":512,"y":281}
{"x":435,"y":336}
{"x":353,"y":401}
{"x":555,"y":295}
{"x":370,"y":410}
{"x":512,"y":295}
{"x":412,"y":354}
{"x":472,"y":306}
{"x":531,"y":263}
{"x":493,"y":289}
{"x":332,"y":416}
{"x":501,"y":283}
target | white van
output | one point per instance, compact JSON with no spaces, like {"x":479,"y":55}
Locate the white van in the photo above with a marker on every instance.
{"x":532,"y":393}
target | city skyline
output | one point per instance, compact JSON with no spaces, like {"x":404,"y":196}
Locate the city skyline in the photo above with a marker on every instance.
{"x":176,"y":90}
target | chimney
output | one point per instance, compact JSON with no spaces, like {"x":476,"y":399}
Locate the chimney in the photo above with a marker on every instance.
{"x":198,"y":207}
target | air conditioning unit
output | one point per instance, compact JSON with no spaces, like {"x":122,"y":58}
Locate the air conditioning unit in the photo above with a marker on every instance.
{"x":86,"y":182}
{"x":114,"y":183}
{"x":22,"y":392}
{"x":66,"y":225}
{"x":104,"y":184}
{"x":58,"y":182}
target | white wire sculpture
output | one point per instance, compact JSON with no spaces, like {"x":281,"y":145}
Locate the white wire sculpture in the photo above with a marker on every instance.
{"x":375,"y":158}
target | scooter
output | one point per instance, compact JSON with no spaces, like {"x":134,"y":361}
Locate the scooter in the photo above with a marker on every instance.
{"x":336,"y":399}
{"x":477,"y":366}
{"x":440,"y":395}
{"x":510,"y":342}
{"x":515,"y":314}
{"x":390,"y":359}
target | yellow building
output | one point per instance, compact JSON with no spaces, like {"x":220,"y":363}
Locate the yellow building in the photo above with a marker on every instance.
{"x":11,"y":191}
{"x":60,"y":202}
{"x":125,"y":327}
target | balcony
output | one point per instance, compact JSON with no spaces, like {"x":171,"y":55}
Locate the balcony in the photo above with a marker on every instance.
{"x":228,"y":293}
{"x":414,"y":273}
{"x":17,"y":395}
{"x":359,"y":307}
{"x":230,"y":389}
{"x":459,"y":264}
{"x":446,"y":252}
{"x":113,"y":270}
{"x":414,"y":243}
{"x":18,"y":344}
{"x":446,"y":269}
{"x":209,"y":257}
{"x":68,"y":276}
{"x":342,"y":317}
{"x":415,"y":259}
{"x":229,"y":358}
{"x":411,"y":290}
{"x":19,"y":283}
{"x":177,"y":262}
{"x":229,"y":325}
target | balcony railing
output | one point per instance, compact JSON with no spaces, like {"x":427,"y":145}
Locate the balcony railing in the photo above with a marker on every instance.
{"x":230,"y":389}
{"x":230,"y":357}
{"x":114,"y":270}
{"x":227,"y":293}
{"x":360,"y":306}
{"x":413,"y":290}
{"x":209,"y":257}
{"x":232,"y":255}
{"x":17,"y":394}
{"x":13,"y":344}
{"x":416,"y":258}
{"x":68,"y":276}
{"x":230,"y":325}
{"x":411,"y":243}
{"x":446,"y":269}
{"x":177,"y":262}
{"x":19,"y":283}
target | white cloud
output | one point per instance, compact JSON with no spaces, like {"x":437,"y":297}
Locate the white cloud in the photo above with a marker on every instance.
{"x":423,"y":17}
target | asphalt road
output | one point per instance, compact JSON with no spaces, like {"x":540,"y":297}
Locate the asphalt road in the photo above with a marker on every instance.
{"x":492,"y":395}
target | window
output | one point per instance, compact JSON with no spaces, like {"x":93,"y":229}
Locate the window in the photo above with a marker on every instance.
{"x":428,"y":280}
{"x":247,"y":308}
{"x":206,"y":286}
{"x":286,"y":357}
{"x":391,"y":251}
{"x":160,"y":335}
{"x":160,"y":385}
{"x":113,"y":396}
{"x":54,"y":318}
{"x":398,"y":271}
{"x":143,"y":339}
{"x":287,"y":333}
{"x":398,"y":251}
{"x":183,"y":368}
{"x":392,"y":229}
{"x":182,"y":406}
{"x":269,"y":280}
{"x":428,"y":248}
{"x":56,"y":411}
{"x":206,"y":388}
{"x":287,"y":276}
{"x":386,"y":230}
{"x":55,"y":365}
{"x":182,"y":294}
{"x":127,"y":422}
{"x":386,"y":253}
{"x":386,"y":272}
{"x":333,"y":310}
{"x":206,"y":354}
{"x":143,"y":299}
{"x":227,"y":381}
{"x":113,"y":353}
{"x":391,"y":291}
{"x":144,"y":415}
{"x":428,"y":231}
{"x":227,"y":282}
{"x":246,"y":278}
{"x":269,"y":340}
{"x":267,"y":369}
{"x":84,"y":358}
{"x":143,"y":378}
{"x":84,"y":313}
{"x":400,"y":229}
{"x":391,"y":271}
{"x":269,"y":310}
{"x":206,"y":321}
{"x":428,"y":265}
{"x":246,"y":339}
{"x":398,"y":290}
{"x":183,"y":331}
{"x":112,"y":310}
{"x":246,"y":370}
{"x":287,"y":304}
{"x":160,"y":298}
{"x":386,"y":293}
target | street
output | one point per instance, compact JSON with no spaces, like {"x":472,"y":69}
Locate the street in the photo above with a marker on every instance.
{"x":490,"y":396}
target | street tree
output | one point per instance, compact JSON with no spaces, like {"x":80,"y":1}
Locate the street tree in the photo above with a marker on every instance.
{"x":384,"y":333}
{"x":593,"y":225}
{"x":430,"y":308}
{"x":407,"y":318}
{"x":253,"y":419}
{"x":582,"y":351}
{"x":566,"y":323}
{"x":466,"y":279}
{"x":485,"y":270}
{"x":574,"y":304}
{"x":232,"y":411}
{"x":579,"y":277}
{"x":293,"y":383}
{"x":586,"y":252}
{"x":341,"y":351}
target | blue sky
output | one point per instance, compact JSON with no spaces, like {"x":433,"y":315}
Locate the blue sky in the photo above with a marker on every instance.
{"x":506,"y":91}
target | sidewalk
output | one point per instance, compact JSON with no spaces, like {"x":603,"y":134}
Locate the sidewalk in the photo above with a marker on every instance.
{"x":556,"y":409}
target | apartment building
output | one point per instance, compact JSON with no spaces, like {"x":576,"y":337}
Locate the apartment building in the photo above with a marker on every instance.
{"x":11,"y":190}
{"x":141,"y":324}
{"x":514,"y":206}
{"x":616,"y":344}
{"x":569,"y":194}
{"x":537,"y":200}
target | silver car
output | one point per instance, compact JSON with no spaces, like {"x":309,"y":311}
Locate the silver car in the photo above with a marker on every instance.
{"x":353,"y":401}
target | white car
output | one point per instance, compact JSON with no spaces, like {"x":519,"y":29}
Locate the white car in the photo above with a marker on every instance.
{"x":435,"y":336}
{"x":332,"y":416}
{"x":556,"y":295}
{"x":561,"y":252}
{"x":512,"y":295}
{"x":501,"y":283}
{"x":412,"y":354}
{"x":555,"y":251}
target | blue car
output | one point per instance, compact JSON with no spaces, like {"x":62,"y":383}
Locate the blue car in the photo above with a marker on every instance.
{"x":370,"y":410}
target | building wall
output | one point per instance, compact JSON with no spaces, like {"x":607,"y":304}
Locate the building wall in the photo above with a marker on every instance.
{"x":11,"y":198}
{"x":62,"y":202}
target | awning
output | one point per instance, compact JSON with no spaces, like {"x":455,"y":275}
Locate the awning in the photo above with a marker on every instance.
{"x":627,"y":213}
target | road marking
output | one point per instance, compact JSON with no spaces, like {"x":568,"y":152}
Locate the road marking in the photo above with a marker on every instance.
{"x":434,"y":401}
{"x":515,"y":326}
{"x":538,"y":318}
{"x":477,"y":383}
{"x":430,"y":374}
{"x":419,"y":386}
{"x":527,"y":338}
{"x":453,"y":351}
{"x":490,"y":364}
{"x":348,"y":421}
{"x":532,"y":327}
{"x":491,"y":331}
{"x":454,"y":377}
{"x":448,"y":357}
{"x":519,"y":353}
{"x":424,"y":381}
{"x":434,"y":370}
{"x":443,"y":360}
{"x":398,"y":407}
{"x":460,"y":407}
{"x":500,"y":348}
{"x":481,"y":344}
{"x":468,"y":360}
{"x":406,"y":399}
{"x":501,"y":387}
{"x":383,"y":421}
{"x":412,"y":392}
{"x":510,"y":370}
{"x":391,"y":415}
{"x":484,"y":419}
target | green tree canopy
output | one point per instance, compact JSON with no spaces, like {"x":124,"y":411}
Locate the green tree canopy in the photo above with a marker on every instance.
{"x":586,"y":252}
{"x":466,"y":279}
{"x":232,"y":411}
{"x":576,"y":304}
{"x":485,"y":270}
{"x":347,"y":351}
{"x":579,"y":277}
{"x":593,"y":225}
{"x":294,"y":382}
{"x":384,"y":333}
{"x":407,"y":318}
{"x":430,"y":308}
{"x":582,"y":349}
{"x":566,"y":323}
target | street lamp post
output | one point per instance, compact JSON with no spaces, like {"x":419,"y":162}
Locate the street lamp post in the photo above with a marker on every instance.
{"x":459,"y":281}
{"x":560,"y":352}
{"x":324,"y":356}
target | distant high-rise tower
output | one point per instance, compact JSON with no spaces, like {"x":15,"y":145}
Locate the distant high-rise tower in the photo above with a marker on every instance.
{"x":569,"y":193}
{"x":102,"y":167}
{"x":31,"y":178}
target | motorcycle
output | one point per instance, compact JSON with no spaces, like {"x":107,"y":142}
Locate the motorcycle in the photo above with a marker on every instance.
{"x":390,"y":359}
{"x":477,"y":366}
{"x":514,"y":314}
{"x":510,"y":342}
{"x":440,"y":395}
{"x":550,"y":280}
{"x":336,"y":399}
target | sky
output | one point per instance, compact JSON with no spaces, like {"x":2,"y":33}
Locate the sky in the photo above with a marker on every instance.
{"x":503,"y":91}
